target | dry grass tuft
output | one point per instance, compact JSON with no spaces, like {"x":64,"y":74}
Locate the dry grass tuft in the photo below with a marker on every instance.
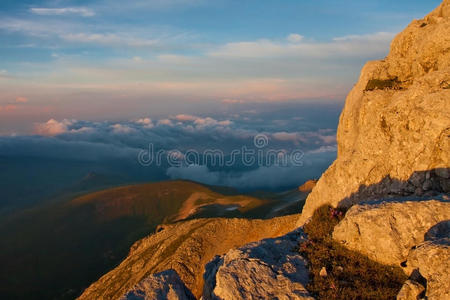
{"x":350,"y":275}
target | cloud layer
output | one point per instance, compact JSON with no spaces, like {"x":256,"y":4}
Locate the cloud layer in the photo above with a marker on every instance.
{"x":111,"y":143}
{"x":82,"y":11}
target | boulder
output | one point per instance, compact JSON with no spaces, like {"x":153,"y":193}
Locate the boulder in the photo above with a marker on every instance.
{"x":432,"y":260}
{"x":411,"y":290}
{"x":268,"y":269}
{"x":386,"y":231}
{"x":166,"y":285}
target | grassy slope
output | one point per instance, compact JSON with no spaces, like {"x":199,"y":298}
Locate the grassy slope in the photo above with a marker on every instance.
{"x":57,"y":250}
{"x":350,"y":275}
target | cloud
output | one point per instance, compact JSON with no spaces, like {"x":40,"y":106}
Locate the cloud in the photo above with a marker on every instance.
{"x":21,"y":100}
{"x":295,"y":38}
{"x":121,"y":128}
{"x":285,"y":136}
{"x":165,"y":122}
{"x":101,"y":141}
{"x":8,"y":108}
{"x":52,"y":127}
{"x":231,"y":101}
{"x":73,"y":32}
{"x":271,"y":177}
{"x":208,"y":122}
{"x":185,"y":118}
{"x":347,"y":46}
{"x":145,"y":122}
{"x":109,"y":39}
{"x":81,"y":11}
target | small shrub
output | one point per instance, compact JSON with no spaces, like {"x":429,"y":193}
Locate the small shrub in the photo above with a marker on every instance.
{"x":350,"y":274}
{"x":388,"y":84}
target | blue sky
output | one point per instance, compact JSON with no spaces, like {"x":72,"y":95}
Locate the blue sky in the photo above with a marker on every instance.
{"x":111,"y":59}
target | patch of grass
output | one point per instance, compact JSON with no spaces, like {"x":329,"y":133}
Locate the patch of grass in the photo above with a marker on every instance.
{"x":387,"y":84}
{"x":350,"y":275}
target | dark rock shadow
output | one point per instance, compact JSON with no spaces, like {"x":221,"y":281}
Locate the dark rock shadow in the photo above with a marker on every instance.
{"x":421,"y":185}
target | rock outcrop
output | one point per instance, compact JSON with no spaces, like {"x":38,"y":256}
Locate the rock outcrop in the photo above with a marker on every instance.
{"x":394,"y":132}
{"x":432,"y":260}
{"x":268,"y":269}
{"x":411,"y":290}
{"x":166,"y":285}
{"x":185,"y":247}
{"x":386,"y":231}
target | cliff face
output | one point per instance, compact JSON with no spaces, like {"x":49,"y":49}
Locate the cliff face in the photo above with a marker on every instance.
{"x":394,"y":132}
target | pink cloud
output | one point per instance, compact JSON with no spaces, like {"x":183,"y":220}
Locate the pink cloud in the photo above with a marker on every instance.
{"x":165,"y":122}
{"x":185,"y":118}
{"x":231,"y":101}
{"x":145,"y":122}
{"x":8,"y":108}
{"x":21,"y":100}
{"x":52,"y":127}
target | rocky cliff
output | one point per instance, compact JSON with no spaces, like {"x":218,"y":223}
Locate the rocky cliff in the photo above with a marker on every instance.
{"x":394,"y":131}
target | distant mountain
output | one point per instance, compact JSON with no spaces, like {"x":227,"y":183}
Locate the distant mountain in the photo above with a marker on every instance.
{"x":56,"y":250}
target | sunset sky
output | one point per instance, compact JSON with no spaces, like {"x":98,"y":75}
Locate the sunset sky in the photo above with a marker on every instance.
{"x":122,"y":60}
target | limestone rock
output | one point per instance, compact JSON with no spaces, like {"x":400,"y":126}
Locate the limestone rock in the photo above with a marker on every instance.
{"x":411,"y":290}
{"x":432,"y":259}
{"x":184,"y":247}
{"x":268,"y":269}
{"x":161,"y":286}
{"x":386,"y":231}
{"x":394,"y":131}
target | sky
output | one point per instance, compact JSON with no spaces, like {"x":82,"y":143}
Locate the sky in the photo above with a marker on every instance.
{"x":115,"y":60}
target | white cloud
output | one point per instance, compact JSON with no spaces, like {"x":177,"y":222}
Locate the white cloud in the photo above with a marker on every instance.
{"x":81,"y":11}
{"x":121,"y":128}
{"x":52,"y":127}
{"x":165,"y":122}
{"x":295,"y":38}
{"x":201,"y":122}
{"x":379,"y":36}
{"x":145,"y":122}
{"x":208,"y":122}
{"x":108,"y":39}
{"x":185,"y":118}
{"x":348,"y":46}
